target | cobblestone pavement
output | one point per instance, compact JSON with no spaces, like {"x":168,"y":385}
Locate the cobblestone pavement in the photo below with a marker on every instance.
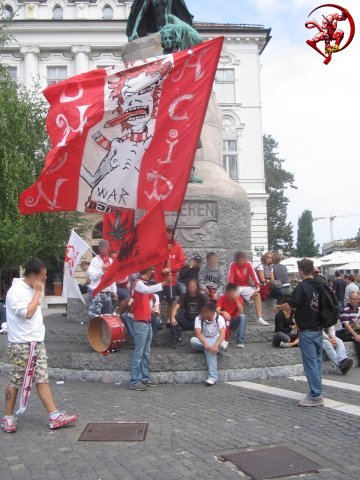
{"x":189,"y":425}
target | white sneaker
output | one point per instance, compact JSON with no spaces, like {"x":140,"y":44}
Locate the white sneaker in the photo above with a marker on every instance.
{"x":261,"y":321}
{"x":210,"y":382}
{"x":240,"y":345}
{"x":284,"y":345}
{"x":224,"y":345}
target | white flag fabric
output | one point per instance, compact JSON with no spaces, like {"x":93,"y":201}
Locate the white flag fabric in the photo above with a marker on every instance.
{"x":74,"y":251}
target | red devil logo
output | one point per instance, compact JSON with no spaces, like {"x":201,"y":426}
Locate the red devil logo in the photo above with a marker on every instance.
{"x":329,"y":33}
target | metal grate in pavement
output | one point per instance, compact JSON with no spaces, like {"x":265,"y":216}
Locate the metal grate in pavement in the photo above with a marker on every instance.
{"x":271,"y":462}
{"x":114,"y":432}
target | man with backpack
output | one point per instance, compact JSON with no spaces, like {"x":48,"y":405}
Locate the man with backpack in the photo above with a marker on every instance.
{"x":209,"y":335}
{"x":315,"y":309}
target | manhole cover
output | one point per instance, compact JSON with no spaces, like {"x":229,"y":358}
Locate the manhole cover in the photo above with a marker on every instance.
{"x":271,"y":462}
{"x":114,"y":432}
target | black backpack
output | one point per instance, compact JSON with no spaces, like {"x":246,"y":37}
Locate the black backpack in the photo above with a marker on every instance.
{"x":328,"y":307}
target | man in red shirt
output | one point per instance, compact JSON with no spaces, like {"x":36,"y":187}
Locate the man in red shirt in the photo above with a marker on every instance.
{"x":240,"y":273}
{"x":175,"y":262}
{"x":142,"y":293}
{"x":230,"y":307}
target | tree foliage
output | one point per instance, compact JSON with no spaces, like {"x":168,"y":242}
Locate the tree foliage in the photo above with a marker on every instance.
{"x":23,"y":147}
{"x":305,"y":245}
{"x":280,"y":231}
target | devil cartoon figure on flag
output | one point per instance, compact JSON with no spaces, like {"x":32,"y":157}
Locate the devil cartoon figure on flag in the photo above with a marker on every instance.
{"x":125,"y":137}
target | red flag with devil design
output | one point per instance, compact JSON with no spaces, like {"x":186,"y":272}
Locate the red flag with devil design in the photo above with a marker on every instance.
{"x":116,"y":226}
{"x":146,"y":245}
{"x":125,"y":137}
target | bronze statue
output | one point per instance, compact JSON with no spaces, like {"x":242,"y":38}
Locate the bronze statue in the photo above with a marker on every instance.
{"x":171,"y":40}
{"x":150,"y":16}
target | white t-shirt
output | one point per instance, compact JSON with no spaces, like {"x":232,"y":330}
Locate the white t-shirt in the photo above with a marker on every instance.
{"x":20,"y":328}
{"x":95,"y":274}
{"x":210,"y":329}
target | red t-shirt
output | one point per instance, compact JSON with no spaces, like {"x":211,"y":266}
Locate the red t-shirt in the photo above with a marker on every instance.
{"x":229,"y":305}
{"x":241,"y":274}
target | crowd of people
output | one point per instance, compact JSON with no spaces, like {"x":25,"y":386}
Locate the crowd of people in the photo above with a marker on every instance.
{"x":200,"y":297}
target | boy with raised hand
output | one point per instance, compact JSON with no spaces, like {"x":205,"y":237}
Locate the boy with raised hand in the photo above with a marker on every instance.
{"x":230,"y":306}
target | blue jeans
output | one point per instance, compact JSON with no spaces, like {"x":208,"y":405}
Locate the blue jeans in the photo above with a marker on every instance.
{"x":311,"y":344}
{"x":211,"y":358}
{"x":239,"y":323}
{"x":335,"y":354}
{"x":141,"y":353}
{"x":128,"y":320}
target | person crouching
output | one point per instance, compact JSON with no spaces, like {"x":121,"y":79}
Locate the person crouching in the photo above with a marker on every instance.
{"x":209,"y":335}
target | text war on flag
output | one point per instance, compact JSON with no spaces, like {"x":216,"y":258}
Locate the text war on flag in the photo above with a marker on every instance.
{"x":125,"y":137}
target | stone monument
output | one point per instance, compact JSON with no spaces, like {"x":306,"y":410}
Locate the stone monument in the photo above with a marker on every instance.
{"x":216,"y":212}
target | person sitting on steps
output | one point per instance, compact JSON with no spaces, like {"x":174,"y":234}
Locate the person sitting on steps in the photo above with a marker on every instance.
{"x":285,"y":335}
{"x":186,"y":310}
{"x":209,"y":335}
{"x":230,"y":306}
{"x":212,"y":277}
{"x":240,"y":273}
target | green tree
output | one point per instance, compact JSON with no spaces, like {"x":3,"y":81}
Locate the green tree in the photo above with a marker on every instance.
{"x":277,"y":180}
{"x":305,"y":245}
{"x":23,"y":148}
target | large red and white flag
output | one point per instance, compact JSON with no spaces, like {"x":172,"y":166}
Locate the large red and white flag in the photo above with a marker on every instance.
{"x":143,"y":247}
{"x":125,"y":137}
{"x":74,"y":251}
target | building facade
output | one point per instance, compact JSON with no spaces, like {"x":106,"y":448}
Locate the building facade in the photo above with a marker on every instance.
{"x":53,"y":40}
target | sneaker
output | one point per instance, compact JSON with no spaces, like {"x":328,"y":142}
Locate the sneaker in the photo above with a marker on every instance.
{"x":9,"y":424}
{"x":310,"y":402}
{"x":210,"y":382}
{"x":240,"y":345}
{"x":346,"y":365}
{"x":262,"y":322}
{"x":284,"y":345}
{"x":224,"y":345}
{"x":3,"y":331}
{"x":151,"y":383}
{"x":62,"y":420}
{"x":139,"y":387}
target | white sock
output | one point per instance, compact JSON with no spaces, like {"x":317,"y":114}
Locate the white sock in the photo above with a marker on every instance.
{"x":54,"y":415}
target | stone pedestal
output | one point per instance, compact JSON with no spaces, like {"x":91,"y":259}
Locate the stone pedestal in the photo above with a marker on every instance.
{"x":76,"y":310}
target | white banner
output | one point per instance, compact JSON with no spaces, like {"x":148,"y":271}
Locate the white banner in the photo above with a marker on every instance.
{"x":74,"y":251}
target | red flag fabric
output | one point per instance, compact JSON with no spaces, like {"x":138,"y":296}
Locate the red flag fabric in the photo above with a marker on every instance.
{"x":125,"y":137}
{"x":116,"y":227}
{"x":146,"y":245}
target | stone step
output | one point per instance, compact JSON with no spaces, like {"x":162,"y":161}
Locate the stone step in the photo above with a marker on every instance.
{"x":168,"y":365}
{"x":58,"y":330}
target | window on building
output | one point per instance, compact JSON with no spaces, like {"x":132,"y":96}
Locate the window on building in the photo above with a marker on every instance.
{"x":107,"y":13}
{"x":56,"y":74}
{"x":225,"y":85}
{"x":8,"y":12}
{"x":12,"y":71}
{"x":230,"y":156}
{"x":58,"y":13}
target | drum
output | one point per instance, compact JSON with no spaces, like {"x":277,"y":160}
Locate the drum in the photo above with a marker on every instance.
{"x":106,"y":333}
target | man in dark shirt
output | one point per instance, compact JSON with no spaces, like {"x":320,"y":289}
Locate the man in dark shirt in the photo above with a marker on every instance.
{"x":188,"y":272}
{"x":186,"y":310}
{"x":305,"y":298}
{"x":339,"y":286}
